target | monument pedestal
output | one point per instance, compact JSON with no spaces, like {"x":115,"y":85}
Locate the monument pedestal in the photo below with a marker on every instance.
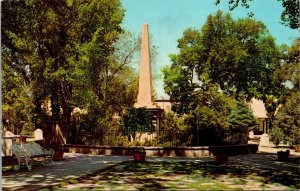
{"x":264,"y":140}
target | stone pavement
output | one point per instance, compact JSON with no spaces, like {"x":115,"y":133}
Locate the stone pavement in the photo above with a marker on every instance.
{"x":74,"y":165}
{"x":264,"y":159}
{"x":273,"y":149}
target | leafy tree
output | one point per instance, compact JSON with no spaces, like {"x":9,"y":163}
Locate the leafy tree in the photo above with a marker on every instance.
{"x":137,"y":120}
{"x":65,"y":50}
{"x":289,"y":16}
{"x":241,"y":120}
{"x":287,"y":122}
{"x":239,"y":55}
{"x":17,"y":102}
{"x":227,"y":59}
{"x":288,"y":73}
{"x":115,"y":92}
{"x":180,"y":79}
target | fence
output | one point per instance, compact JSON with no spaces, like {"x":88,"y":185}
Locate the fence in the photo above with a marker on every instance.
{"x":123,"y":138}
{"x":152,"y":138}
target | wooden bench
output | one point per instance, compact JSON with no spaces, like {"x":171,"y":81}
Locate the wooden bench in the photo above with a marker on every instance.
{"x":28,"y":151}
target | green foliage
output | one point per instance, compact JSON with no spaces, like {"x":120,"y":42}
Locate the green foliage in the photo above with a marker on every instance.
{"x":137,"y":120}
{"x":289,"y":16}
{"x":208,"y":122}
{"x":288,"y":73}
{"x":287,"y":122}
{"x":241,"y":116}
{"x":235,"y":58}
{"x":70,"y":53}
{"x":172,"y":122}
{"x":241,"y":121}
{"x":239,"y":55}
{"x":174,"y":130}
{"x":16,"y":102}
{"x":276,"y":135}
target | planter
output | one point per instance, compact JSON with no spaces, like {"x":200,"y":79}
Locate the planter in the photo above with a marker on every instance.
{"x":283,"y":156}
{"x":139,"y":157}
{"x":22,"y":139}
{"x":58,"y":155}
{"x":221,"y":159}
{"x":297,"y":148}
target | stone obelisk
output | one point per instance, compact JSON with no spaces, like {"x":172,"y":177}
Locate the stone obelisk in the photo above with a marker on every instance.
{"x":144,"y":98}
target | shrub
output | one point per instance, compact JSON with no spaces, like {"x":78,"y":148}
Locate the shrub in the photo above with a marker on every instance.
{"x":241,"y":120}
{"x":208,"y":121}
{"x":137,"y":120}
{"x":173,"y":130}
{"x":288,"y":121}
{"x":276,"y":135}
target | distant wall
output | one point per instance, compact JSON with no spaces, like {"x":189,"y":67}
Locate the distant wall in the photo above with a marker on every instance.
{"x":191,"y":152}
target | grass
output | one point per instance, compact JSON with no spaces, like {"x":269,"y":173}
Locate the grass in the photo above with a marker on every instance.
{"x":186,"y":175}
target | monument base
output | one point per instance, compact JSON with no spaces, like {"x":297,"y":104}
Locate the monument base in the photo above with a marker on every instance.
{"x":147,"y":105}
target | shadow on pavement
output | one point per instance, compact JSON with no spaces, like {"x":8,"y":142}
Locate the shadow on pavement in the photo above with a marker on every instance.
{"x":42,"y":176}
{"x":152,"y":174}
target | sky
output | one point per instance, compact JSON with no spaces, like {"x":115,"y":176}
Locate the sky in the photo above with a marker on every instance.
{"x":167,"y":20}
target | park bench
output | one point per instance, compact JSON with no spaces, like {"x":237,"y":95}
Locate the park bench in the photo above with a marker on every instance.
{"x":29,"y":151}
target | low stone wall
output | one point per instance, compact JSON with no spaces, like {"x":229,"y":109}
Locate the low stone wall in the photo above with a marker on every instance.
{"x":178,"y":151}
{"x":203,"y":151}
{"x":231,"y":150}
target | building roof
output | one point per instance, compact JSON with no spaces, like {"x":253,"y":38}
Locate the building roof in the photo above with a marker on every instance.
{"x":258,"y":108}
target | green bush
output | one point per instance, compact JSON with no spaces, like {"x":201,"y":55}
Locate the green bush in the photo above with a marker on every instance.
{"x":288,"y":121}
{"x":276,"y":135}
{"x":137,"y":120}
{"x":173,"y":130}
{"x":208,"y":123}
{"x":241,"y":120}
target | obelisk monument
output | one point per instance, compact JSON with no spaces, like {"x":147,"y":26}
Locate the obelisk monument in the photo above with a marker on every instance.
{"x":144,"y":98}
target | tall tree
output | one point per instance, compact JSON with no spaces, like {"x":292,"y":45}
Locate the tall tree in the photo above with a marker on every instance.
{"x":239,"y":55}
{"x":61,"y":47}
{"x":289,"y":72}
{"x":17,"y":102}
{"x":287,"y":122}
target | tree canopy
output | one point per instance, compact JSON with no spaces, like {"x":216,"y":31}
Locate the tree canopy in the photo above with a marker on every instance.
{"x":68,"y":52}
{"x":225,"y":61}
{"x":287,"y":122}
{"x":289,"y":16}
{"x":239,"y":55}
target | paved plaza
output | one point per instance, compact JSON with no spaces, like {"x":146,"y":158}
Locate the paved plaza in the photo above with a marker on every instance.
{"x":77,"y":165}
{"x":74,"y":165}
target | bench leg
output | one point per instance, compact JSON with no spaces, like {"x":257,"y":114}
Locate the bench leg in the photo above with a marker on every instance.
{"x":27,"y":159}
{"x":50,"y":158}
{"x":19,"y":162}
